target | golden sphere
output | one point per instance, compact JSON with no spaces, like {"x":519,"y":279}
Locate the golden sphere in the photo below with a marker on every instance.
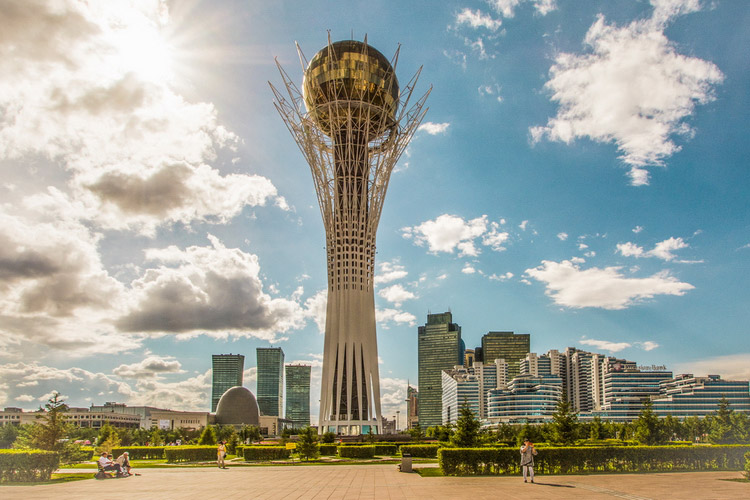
{"x":350,"y":83}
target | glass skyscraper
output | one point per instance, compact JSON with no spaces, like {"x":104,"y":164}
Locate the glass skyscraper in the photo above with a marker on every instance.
{"x":439,"y":348}
{"x":270,"y":381}
{"x":298,"y":395}
{"x":512,"y":347}
{"x":226,"y":373}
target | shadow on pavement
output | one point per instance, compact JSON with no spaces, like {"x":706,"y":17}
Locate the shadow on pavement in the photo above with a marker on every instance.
{"x":554,"y":485}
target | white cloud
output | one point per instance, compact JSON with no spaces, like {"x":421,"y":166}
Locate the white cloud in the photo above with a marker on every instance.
{"x":491,"y":90}
{"x":523,"y":225}
{"x":507,"y":7}
{"x":392,"y":397}
{"x":562,"y":236}
{"x":389,"y":271}
{"x":570,"y":286}
{"x":434,"y":128}
{"x":605,"y":345}
{"x":468,"y":269}
{"x":193,"y":393}
{"x":501,"y":277}
{"x":637,"y":229}
{"x":87,"y":86}
{"x":25,"y":398}
{"x":662,"y":250}
{"x":202,"y":289}
{"x":730,"y":367}
{"x":396,"y":294}
{"x":477,"y":19}
{"x":495,"y":239}
{"x":149,"y":367}
{"x":54,"y":290}
{"x":315,"y":308}
{"x":632,"y":89}
{"x":387,"y":315}
{"x":648,"y":345}
{"x":448,"y":233}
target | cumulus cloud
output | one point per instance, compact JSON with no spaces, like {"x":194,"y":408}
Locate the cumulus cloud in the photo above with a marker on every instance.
{"x":637,"y":229}
{"x":54,"y":290}
{"x":386,"y":316}
{"x":648,"y":345}
{"x":389,"y":271}
{"x":207,"y":289}
{"x":315,"y":308}
{"x":51,"y":379}
{"x":605,"y":345}
{"x":87,"y":86}
{"x":477,"y":19}
{"x":562,"y":236}
{"x":188,"y":394}
{"x":507,"y":8}
{"x":392,"y":397}
{"x":448,"y":233}
{"x":434,"y":128}
{"x":501,"y":277}
{"x":468,"y":269}
{"x":662,"y":250}
{"x":632,"y":89}
{"x":571,"y":286}
{"x":149,"y":367}
{"x":396,"y":294}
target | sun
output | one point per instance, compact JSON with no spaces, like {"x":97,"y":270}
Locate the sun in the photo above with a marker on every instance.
{"x":142,"y":46}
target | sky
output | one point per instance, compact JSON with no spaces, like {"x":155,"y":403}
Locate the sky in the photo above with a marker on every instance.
{"x":580,"y":176}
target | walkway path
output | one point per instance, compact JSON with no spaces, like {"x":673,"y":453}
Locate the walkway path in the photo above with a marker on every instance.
{"x":382,"y":482}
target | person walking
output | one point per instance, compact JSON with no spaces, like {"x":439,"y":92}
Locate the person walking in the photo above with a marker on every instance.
{"x":527,"y":459}
{"x":221,"y":452}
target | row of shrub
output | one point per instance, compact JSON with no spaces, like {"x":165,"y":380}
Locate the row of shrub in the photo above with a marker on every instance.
{"x":193,"y":453}
{"x":328,"y":449}
{"x":577,"y":460}
{"x":27,"y":465}
{"x":265,"y":452}
{"x":421,"y":450}
{"x":141,"y":452}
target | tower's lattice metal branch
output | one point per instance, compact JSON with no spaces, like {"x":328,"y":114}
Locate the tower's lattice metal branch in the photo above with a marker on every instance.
{"x":352,"y":124}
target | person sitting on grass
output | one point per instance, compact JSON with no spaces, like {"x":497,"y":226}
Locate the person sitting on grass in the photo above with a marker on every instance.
{"x":106,"y":464}
{"x":124,"y":461}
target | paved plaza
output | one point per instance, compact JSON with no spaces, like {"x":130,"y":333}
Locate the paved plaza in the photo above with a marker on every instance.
{"x":382,"y":482}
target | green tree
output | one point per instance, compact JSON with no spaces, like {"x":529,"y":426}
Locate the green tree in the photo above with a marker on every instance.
{"x":328,"y":437}
{"x":564,"y":425}
{"x":416,"y":433}
{"x":307,"y":445}
{"x":371,"y":437}
{"x":108,"y":438}
{"x":250,"y":434}
{"x":51,"y":427}
{"x":440,"y":432}
{"x":672,"y":429}
{"x":467,"y":429}
{"x":596,"y":429}
{"x":726,"y":426}
{"x":8,"y":434}
{"x":647,"y":426}
{"x":208,"y":436}
{"x":531,"y":432}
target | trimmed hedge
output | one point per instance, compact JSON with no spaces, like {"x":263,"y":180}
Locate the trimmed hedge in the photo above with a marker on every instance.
{"x":265,"y":452}
{"x":386,"y":449}
{"x":421,"y":450}
{"x":747,"y":465}
{"x":140,"y":452}
{"x":578,"y":460}
{"x":328,"y":449}
{"x":367,"y":451}
{"x":26,"y":466}
{"x":195,"y":453}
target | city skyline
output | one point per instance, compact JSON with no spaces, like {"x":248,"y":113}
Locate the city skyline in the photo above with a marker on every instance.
{"x":580,"y":176}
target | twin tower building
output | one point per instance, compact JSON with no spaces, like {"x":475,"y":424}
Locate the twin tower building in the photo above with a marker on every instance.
{"x":277,"y":384}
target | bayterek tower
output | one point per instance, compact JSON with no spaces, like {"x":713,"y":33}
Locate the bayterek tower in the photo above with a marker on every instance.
{"x":352,"y":122}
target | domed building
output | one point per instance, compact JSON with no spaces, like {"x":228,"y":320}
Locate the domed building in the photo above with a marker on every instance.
{"x":238,"y":406}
